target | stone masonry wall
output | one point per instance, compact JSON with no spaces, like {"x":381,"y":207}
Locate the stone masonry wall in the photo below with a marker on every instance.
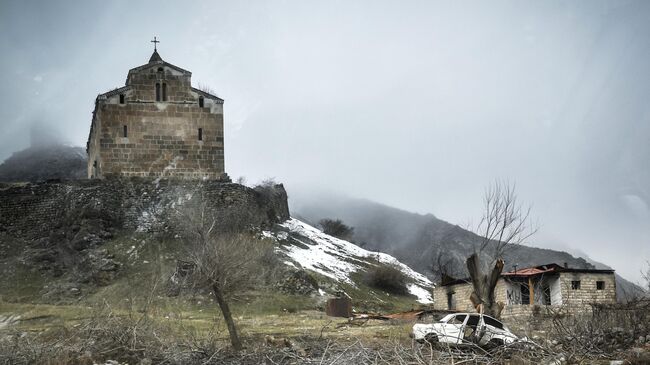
{"x":33,"y":210}
{"x":162,"y":140}
{"x":460,"y":295}
{"x":143,"y":79}
{"x":580,"y":299}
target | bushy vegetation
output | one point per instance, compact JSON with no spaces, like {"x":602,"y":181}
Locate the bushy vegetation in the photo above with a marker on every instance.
{"x":336,"y":228}
{"x":387,"y":278}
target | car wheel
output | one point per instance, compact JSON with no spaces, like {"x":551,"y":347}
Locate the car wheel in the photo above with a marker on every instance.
{"x":431,"y":338}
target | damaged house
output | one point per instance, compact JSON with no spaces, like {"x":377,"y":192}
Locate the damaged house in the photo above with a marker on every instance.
{"x":523,"y":291}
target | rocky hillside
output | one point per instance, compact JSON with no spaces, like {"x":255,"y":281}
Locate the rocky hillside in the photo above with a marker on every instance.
{"x":53,"y":161}
{"x":418,"y":240}
{"x":306,"y":247}
{"x":68,"y":241}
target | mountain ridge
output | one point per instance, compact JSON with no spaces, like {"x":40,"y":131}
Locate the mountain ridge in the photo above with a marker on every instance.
{"x":419,"y":239}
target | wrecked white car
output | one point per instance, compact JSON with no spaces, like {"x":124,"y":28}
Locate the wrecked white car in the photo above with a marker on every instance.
{"x":465,"y":328}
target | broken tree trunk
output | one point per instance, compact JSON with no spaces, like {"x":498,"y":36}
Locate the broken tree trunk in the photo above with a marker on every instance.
{"x":484,"y":284}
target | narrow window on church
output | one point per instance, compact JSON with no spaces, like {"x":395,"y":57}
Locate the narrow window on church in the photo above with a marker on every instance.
{"x":200,"y":102}
{"x":164,"y":92}
{"x":125,"y":132}
{"x":200,"y":134}
{"x":157,"y":92}
{"x":121,"y":98}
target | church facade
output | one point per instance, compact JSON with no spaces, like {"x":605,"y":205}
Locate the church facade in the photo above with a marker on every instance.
{"x":158,"y":125}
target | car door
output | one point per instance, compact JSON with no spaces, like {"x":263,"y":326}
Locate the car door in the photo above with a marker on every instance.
{"x":471,"y":328}
{"x":453,"y":329}
{"x":495,"y":329}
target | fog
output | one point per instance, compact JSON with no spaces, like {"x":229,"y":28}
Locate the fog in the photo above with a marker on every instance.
{"x":419,"y":105}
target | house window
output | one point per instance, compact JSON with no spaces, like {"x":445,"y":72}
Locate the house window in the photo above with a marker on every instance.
{"x":125,"y":134}
{"x":164,"y":92}
{"x":200,"y":134}
{"x":200,"y":102}
{"x":575,"y":284}
{"x":157,"y":92}
{"x":600,"y":285}
{"x":450,"y":300}
{"x":121,"y":98}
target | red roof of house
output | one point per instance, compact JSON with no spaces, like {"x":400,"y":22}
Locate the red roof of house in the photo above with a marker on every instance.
{"x":532,"y":271}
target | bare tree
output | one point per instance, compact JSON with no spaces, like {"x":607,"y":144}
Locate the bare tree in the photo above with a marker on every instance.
{"x":227,"y":263}
{"x":646,"y":276}
{"x":504,"y":225}
{"x":442,"y":267}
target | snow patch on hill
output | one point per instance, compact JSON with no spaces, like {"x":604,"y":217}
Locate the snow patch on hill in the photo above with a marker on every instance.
{"x":335,"y":258}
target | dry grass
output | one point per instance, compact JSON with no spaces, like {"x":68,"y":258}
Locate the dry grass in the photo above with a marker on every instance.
{"x":306,"y":337}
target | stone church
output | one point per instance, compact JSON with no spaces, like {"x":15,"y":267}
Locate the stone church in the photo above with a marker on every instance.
{"x":158,"y":125}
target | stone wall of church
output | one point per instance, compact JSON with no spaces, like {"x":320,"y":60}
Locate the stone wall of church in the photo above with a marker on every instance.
{"x":162,"y":139}
{"x":178,"y":84}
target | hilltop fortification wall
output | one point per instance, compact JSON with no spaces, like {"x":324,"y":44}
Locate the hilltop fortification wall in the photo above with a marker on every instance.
{"x":35,"y":210}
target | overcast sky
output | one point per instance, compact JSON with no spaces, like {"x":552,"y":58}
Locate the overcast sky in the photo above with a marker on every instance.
{"x":418,"y":105}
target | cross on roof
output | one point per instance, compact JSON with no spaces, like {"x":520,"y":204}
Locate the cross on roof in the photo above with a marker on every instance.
{"x":154,"y":43}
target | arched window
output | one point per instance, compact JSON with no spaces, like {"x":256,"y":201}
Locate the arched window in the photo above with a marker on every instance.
{"x":157,"y":91}
{"x":121,"y":98}
{"x":160,"y":69}
{"x":201,"y":102}
{"x":164,"y":92}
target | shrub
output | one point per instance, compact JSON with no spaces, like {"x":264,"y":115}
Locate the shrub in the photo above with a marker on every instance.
{"x":336,"y":228}
{"x":387,"y":278}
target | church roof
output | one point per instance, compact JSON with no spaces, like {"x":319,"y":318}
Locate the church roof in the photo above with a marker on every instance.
{"x":119,"y":90}
{"x":155,"y":57}
{"x":208,"y":95}
{"x":155,"y":60}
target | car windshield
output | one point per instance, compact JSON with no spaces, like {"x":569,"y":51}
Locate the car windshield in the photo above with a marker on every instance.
{"x":446,"y":318}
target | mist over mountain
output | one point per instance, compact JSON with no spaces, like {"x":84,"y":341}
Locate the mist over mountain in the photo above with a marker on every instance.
{"x":45,"y":161}
{"x":417,"y":239}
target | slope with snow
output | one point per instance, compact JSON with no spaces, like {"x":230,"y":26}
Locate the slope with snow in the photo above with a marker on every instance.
{"x":309,"y":248}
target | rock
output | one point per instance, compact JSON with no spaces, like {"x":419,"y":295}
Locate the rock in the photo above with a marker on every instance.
{"x":617,"y":362}
{"x":299,"y":282}
{"x":44,"y":256}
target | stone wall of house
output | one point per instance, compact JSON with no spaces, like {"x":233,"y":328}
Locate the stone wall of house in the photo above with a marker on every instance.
{"x":571,"y":300}
{"x":580,"y":299}
{"x":162,"y":136}
{"x":33,"y":211}
{"x":460,"y":297}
